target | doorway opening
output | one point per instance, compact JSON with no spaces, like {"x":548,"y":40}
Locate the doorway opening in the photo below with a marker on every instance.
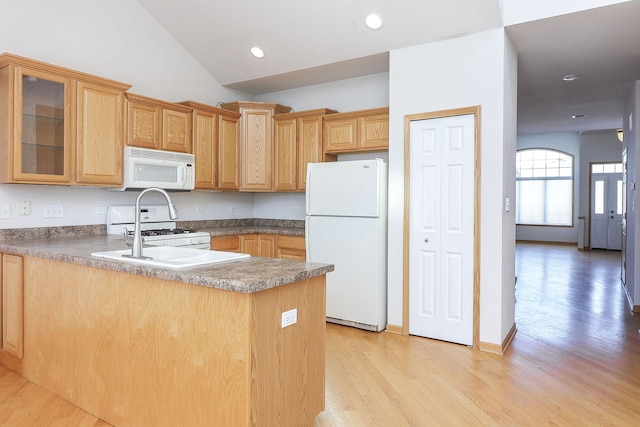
{"x":606,"y":206}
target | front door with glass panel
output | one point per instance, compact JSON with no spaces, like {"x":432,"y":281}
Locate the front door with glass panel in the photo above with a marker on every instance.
{"x":606,"y":206}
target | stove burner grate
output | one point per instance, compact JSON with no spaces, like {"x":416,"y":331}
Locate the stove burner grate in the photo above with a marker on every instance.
{"x":162,"y":232}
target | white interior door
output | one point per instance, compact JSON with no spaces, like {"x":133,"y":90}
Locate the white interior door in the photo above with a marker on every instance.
{"x":606,"y":211}
{"x":441,"y":241}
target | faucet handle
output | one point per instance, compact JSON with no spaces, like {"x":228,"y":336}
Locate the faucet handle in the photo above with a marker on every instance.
{"x":127,"y":237}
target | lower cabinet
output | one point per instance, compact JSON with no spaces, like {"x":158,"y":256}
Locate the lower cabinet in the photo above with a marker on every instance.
{"x":226,"y":243}
{"x":12,"y":307}
{"x":211,"y":357}
{"x":249,"y":244}
{"x":291,"y":247}
{"x":263,"y":245}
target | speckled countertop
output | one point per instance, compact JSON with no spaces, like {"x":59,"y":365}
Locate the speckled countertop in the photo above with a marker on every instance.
{"x":269,"y":229}
{"x":245,"y":275}
{"x":228,"y":227}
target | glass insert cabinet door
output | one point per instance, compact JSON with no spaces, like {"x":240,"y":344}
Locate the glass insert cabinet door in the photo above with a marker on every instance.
{"x":42,"y":127}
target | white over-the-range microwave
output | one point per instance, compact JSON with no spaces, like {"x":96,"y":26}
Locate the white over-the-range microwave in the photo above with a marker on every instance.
{"x":144,"y":168}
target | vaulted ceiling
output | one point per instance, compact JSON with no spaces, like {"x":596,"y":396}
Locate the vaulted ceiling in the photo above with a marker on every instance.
{"x":308,"y":43}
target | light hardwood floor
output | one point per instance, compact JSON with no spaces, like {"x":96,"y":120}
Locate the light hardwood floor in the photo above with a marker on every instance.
{"x":575,"y":361}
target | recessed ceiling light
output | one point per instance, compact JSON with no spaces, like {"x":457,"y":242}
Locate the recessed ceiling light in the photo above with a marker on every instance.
{"x":572,"y":77}
{"x":373,"y":21}
{"x":257,"y":52}
{"x":577,"y":116}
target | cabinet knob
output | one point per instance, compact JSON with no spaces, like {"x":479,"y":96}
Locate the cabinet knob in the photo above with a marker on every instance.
{"x":426,"y":240}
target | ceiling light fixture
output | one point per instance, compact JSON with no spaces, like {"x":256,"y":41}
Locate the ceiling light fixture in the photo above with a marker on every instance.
{"x":257,"y":52}
{"x":621,"y":135}
{"x":373,"y":21}
{"x":572,"y":77}
{"x":577,"y":116}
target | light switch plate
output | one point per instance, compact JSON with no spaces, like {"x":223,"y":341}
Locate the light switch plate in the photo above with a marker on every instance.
{"x":52,"y":211}
{"x":5,"y":210}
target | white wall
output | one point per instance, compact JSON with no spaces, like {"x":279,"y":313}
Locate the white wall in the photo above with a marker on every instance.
{"x":80,"y":204}
{"x":118,"y":40}
{"x":510,"y":125}
{"x":632,"y":142}
{"x":455,"y":73}
{"x":517,"y":11}
{"x":279,"y":205}
{"x":568,"y":142}
{"x":359,"y":93}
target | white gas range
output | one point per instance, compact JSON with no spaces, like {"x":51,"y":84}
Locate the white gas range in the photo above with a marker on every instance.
{"x":157,"y":229}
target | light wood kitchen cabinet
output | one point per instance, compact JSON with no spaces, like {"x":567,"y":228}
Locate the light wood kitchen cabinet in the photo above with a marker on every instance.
{"x":291,"y":247}
{"x":12,"y":307}
{"x":229,"y":243}
{"x":298,"y":141}
{"x":249,"y":244}
{"x":100,"y":135}
{"x":256,"y":244}
{"x":159,"y":125}
{"x":229,"y":151}
{"x":205,"y":149}
{"x":143,"y":351}
{"x":365,"y":130}
{"x":266,"y":245}
{"x":256,"y":142}
{"x":215,"y":146}
{"x":262,"y":244}
{"x":59,"y":126}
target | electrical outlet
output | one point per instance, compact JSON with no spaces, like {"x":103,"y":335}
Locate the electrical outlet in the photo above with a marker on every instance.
{"x":233,"y":209}
{"x":101,"y":210}
{"x":295,"y":209}
{"x":199,"y":209}
{"x":25,"y":207}
{"x":289,"y":317}
{"x":52,"y":211}
{"x":5,"y":210}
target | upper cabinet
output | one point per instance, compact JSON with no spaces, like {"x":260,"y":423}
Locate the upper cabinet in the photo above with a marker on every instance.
{"x":156,"y":124}
{"x":99,"y":135}
{"x":59,"y":126}
{"x":215,"y":147}
{"x":298,"y":141}
{"x":365,"y":130}
{"x":256,"y":143}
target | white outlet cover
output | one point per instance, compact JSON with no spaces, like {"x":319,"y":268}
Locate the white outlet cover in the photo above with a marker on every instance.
{"x":289,"y":317}
{"x":52,"y":211}
{"x":5,"y":210}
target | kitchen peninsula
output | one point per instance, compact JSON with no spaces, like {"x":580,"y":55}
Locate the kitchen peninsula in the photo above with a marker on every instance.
{"x":200,"y":346}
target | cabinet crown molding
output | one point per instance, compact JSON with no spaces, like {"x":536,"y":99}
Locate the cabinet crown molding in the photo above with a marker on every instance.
{"x":15,"y":60}
{"x":238,"y":105}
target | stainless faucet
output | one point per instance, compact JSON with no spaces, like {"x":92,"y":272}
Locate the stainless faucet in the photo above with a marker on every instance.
{"x":136,"y":248}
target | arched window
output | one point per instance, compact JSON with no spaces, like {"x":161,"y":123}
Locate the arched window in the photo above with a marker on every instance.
{"x":544,"y":187}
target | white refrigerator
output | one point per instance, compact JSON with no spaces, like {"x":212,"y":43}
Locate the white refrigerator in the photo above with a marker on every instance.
{"x":346,"y":225}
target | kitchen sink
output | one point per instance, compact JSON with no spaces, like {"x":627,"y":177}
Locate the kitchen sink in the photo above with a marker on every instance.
{"x":172,"y":257}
